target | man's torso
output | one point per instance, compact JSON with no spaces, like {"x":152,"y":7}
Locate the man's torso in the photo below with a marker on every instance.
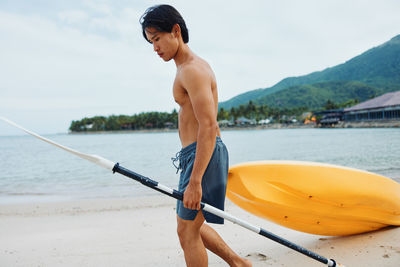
{"x":188,"y":124}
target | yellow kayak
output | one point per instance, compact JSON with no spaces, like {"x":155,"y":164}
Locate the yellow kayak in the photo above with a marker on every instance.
{"x":315,"y":198}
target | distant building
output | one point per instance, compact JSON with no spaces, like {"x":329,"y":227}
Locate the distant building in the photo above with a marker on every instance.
{"x":245,"y":121}
{"x":264,"y":122}
{"x":225,"y":123}
{"x":169,"y":125}
{"x":329,"y":118}
{"x":384,"y":107}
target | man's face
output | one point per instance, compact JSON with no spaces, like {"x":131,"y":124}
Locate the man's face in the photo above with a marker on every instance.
{"x":164,"y":44}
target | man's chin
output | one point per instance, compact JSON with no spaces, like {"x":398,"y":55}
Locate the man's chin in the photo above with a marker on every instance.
{"x":166,"y":59}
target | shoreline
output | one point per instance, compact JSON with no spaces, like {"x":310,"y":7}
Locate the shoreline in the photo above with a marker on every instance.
{"x":142,"y":232}
{"x":341,"y":125}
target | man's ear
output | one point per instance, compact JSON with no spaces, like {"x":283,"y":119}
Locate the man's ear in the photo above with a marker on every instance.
{"x":176,"y":30}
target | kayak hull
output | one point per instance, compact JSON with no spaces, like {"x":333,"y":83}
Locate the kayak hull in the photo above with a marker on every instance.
{"x":315,"y":198}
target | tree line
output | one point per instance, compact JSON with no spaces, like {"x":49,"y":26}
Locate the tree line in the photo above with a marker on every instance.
{"x":259,"y":112}
{"x":162,"y":120}
{"x":144,"y":120}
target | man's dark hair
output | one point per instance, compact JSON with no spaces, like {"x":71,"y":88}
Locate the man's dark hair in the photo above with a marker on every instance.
{"x":163,"y":18}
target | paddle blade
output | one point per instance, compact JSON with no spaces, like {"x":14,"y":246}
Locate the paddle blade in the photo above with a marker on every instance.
{"x":105,"y":163}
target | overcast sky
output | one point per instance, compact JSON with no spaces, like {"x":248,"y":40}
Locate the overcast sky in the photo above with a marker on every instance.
{"x":64,"y":60}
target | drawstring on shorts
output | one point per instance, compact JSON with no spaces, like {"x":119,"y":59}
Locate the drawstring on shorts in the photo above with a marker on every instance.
{"x":184,"y":153}
{"x":182,"y":156}
{"x":177,"y":157}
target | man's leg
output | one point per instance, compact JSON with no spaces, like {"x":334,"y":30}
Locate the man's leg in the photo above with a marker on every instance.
{"x":191,"y":242}
{"x":213,"y":242}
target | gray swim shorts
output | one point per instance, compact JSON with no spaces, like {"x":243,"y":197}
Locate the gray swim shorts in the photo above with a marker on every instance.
{"x":213,"y":183}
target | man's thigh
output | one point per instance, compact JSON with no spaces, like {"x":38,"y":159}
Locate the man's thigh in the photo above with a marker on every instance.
{"x":190,"y":226}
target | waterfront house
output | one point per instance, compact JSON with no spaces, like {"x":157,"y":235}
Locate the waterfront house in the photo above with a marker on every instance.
{"x":385,"y":107}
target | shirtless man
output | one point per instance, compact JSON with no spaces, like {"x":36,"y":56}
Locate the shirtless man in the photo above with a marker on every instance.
{"x":204,"y":159}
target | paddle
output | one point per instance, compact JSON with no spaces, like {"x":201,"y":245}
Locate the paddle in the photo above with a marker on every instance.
{"x":115,"y":167}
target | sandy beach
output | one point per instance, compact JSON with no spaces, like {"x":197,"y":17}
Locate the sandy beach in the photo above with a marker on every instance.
{"x":141,"y":232}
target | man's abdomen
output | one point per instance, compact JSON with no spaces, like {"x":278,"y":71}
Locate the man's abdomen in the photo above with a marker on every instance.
{"x":188,"y":128}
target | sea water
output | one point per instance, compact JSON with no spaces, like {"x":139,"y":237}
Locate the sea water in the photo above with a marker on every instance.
{"x":34,"y":171}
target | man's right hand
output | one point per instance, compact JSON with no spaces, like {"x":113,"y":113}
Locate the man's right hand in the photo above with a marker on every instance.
{"x":192,"y":196}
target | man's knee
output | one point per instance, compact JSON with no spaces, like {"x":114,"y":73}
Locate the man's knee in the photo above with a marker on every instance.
{"x":188,"y":230}
{"x":185,"y":231}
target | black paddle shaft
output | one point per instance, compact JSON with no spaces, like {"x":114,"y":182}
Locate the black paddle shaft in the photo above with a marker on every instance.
{"x":179,"y":196}
{"x":298,"y":248}
{"x":146,"y":181}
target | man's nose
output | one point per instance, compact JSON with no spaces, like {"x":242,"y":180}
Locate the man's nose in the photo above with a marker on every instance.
{"x":155,"y":47}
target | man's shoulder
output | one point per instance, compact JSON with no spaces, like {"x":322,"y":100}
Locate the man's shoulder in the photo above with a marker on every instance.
{"x":197,"y":68}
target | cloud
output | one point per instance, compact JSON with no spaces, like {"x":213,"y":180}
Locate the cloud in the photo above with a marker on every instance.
{"x":47,"y":65}
{"x":99,"y":7}
{"x":90,"y":55}
{"x":47,"y":57}
{"x":73,"y":16}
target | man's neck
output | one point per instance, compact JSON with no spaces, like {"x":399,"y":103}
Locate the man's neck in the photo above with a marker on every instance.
{"x":182,"y":55}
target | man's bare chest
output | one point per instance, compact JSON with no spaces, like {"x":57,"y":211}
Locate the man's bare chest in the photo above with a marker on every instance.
{"x":180,"y":94}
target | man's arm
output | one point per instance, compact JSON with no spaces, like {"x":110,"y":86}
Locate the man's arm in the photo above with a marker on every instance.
{"x":198,"y":86}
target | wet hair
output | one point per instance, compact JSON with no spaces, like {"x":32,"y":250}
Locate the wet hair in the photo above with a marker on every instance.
{"x":163,"y":18}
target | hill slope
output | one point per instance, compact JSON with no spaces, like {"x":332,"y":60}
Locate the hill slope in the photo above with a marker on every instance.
{"x":314,"y":96}
{"x":378,"y":69}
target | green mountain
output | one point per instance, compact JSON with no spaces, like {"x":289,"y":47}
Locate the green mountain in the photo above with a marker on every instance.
{"x":314,"y":96}
{"x":372,"y":73}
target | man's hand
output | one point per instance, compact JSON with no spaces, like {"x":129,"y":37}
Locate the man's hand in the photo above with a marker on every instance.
{"x":192,"y":196}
